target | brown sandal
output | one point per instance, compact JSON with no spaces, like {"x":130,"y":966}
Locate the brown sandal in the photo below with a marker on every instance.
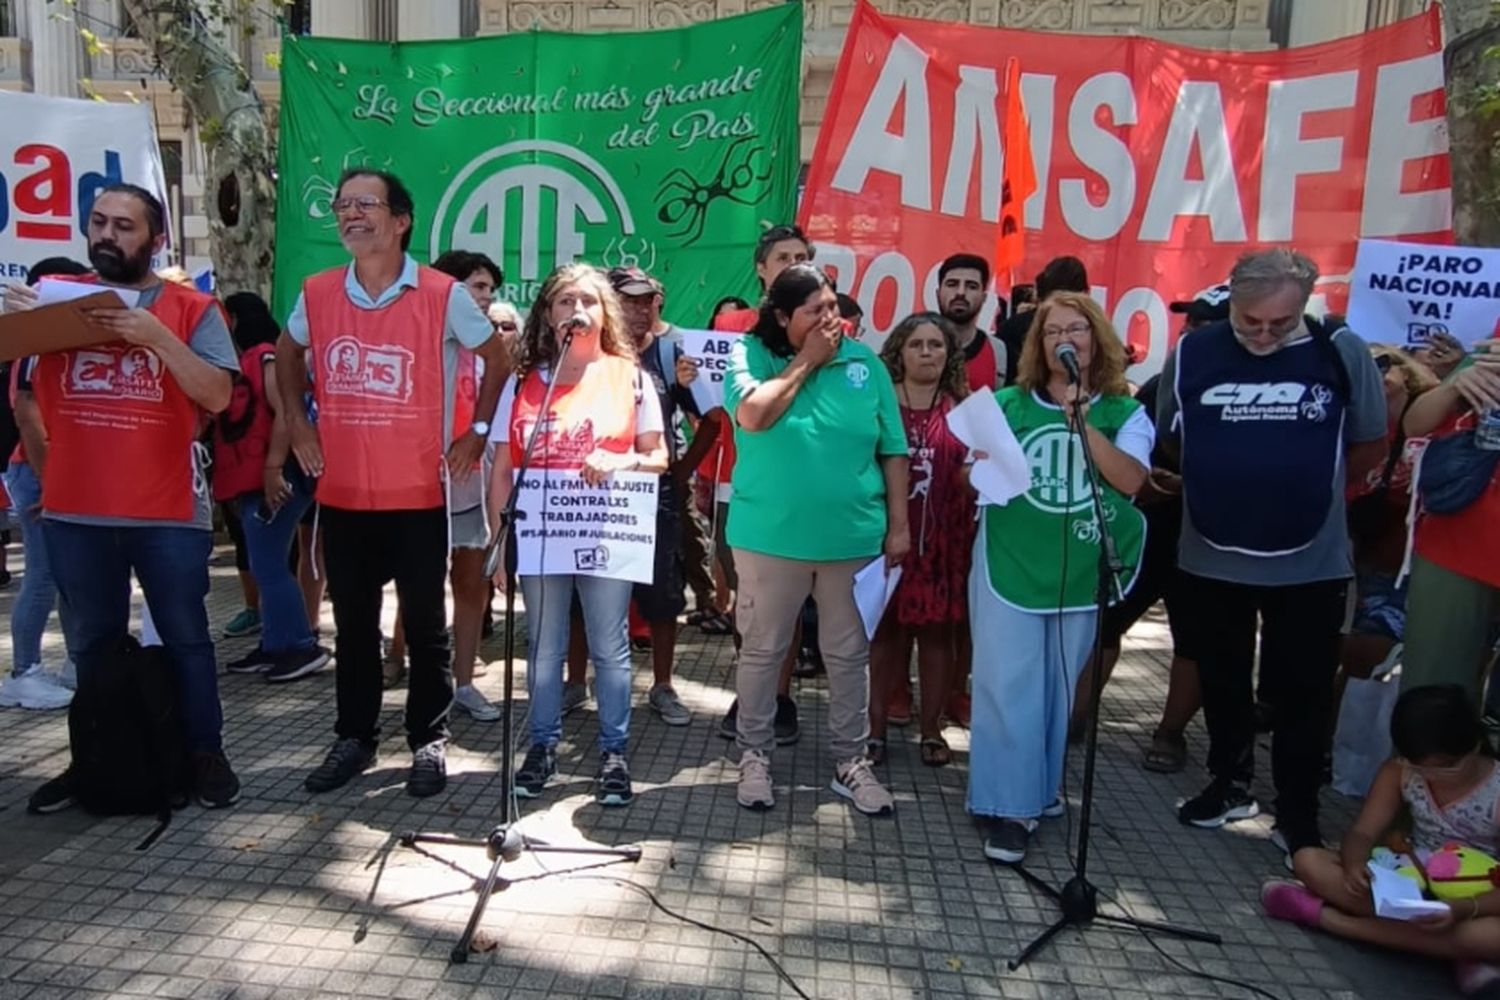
{"x":1168,"y":753}
{"x":935,"y":752}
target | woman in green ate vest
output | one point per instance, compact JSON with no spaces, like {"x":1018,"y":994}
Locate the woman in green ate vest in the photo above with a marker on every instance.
{"x":1032,"y":587}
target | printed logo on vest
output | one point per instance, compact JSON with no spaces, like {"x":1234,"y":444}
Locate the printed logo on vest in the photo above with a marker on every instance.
{"x":1261,"y":402}
{"x":1058,"y":485}
{"x":560,"y":448}
{"x":858,"y":373}
{"x":352,"y":368}
{"x":128,"y":373}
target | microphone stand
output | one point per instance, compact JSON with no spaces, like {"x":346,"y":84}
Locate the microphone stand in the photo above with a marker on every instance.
{"x":505,"y":842}
{"x":1078,"y":899}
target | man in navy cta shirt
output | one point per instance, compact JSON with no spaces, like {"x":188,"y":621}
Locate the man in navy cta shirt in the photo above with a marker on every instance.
{"x":1271,"y":413}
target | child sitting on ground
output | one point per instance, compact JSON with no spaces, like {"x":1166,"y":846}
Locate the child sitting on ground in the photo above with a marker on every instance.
{"x":1451,"y":787}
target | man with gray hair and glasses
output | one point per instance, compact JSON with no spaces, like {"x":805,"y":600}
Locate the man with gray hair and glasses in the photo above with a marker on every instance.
{"x":1271,"y":413}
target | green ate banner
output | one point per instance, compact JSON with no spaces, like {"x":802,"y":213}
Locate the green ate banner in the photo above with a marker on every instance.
{"x":669,"y":150}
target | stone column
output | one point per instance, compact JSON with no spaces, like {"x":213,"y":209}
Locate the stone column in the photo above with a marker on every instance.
{"x":56,"y":48}
{"x":419,"y":19}
{"x":341,"y":19}
{"x":1326,"y":20}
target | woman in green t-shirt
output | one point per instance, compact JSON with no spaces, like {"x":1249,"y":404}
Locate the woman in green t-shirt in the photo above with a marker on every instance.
{"x":819,"y":492}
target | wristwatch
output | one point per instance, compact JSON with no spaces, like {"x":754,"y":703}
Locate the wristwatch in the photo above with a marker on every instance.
{"x":480,"y":427}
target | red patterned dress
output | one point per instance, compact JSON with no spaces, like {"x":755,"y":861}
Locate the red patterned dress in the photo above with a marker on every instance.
{"x":940,"y":508}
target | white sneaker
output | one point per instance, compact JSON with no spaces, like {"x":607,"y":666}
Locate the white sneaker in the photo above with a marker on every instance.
{"x":35,"y":689}
{"x":470,"y":700}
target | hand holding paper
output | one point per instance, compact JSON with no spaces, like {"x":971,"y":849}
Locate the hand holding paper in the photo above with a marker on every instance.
{"x":873,"y":587}
{"x":1399,"y":898}
{"x":1003,"y":473}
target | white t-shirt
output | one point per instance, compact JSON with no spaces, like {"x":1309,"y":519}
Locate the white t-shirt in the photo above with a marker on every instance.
{"x":647,"y":409}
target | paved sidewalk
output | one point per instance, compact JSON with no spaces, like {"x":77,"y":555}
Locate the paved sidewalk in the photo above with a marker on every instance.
{"x":293,"y":895}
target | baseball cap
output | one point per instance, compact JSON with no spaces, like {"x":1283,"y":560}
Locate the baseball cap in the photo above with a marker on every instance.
{"x":633,"y":281}
{"x":1206,"y":306}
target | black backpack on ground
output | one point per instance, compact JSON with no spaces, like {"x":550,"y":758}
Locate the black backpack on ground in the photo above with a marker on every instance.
{"x":127,"y":737}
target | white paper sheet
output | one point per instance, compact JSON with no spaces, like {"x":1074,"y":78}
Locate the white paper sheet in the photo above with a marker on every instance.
{"x":1004,"y":473}
{"x":50,"y":292}
{"x":873,"y":588}
{"x":1398,"y":897}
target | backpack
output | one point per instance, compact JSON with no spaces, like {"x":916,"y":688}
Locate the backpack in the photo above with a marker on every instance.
{"x":126,"y":733}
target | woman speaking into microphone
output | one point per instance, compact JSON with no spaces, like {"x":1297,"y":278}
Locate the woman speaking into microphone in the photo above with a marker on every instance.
{"x":1033,"y":585}
{"x":599,"y":421}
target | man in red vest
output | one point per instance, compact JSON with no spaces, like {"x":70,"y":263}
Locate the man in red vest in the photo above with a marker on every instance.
{"x":123,"y":488}
{"x":384,"y":335}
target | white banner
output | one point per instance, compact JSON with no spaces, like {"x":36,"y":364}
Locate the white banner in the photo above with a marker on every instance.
{"x":710,"y":349}
{"x":55,"y":156}
{"x":1403,"y":293}
{"x":568,"y":527}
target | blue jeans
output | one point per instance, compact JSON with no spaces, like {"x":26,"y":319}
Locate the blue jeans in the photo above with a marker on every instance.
{"x":92,"y":566}
{"x":38,"y":590}
{"x":606,"y":605}
{"x":283,"y":613}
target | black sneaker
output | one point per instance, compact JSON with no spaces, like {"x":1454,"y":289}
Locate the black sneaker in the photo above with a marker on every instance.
{"x":729,"y":726}
{"x":787,"y":729}
{"x":1006,"y":840}
{"x":535,"y":771}
{"x":297,"y":663}
{"x":429,"y":770}
{"x":214,"y":783}
{"x":612,"y":787}
{"x":253,"y":662}
{"x":1221,"y":802}
{"x":53,"y":796}
{"x":809,"y":664}
{"x":347,"y":758}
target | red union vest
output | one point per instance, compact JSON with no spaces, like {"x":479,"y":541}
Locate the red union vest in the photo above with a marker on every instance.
{"x":120,"y":428}
{"x":378,"y":382}
{"x":597,"y":412}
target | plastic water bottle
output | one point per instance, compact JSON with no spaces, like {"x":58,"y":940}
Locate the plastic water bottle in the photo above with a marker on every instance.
{"x":1487,"y":434}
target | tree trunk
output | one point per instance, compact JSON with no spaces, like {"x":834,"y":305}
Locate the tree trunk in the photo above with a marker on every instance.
{"x":1473,"y":91}
{"x":239,"y":194}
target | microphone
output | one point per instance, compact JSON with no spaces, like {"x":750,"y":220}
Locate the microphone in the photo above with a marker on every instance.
{"x":575,"y":323}
{"x":1067,"y":356}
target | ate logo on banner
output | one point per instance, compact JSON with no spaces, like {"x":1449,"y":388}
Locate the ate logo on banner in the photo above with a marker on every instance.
{"x":114,"y":373}
{"x":370,"y":371}
{"x":38,"y":187}
{"x":563,"y":195}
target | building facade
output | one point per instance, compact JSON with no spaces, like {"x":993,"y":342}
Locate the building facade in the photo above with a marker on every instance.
{"x":87,"y":48}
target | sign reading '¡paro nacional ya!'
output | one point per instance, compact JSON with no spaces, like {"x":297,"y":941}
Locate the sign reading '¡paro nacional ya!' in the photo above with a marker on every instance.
{"x":666,"y":150}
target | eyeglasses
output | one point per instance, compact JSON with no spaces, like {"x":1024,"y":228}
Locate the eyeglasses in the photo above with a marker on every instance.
{"x":1275,"y":327}
{"x":1384,"y":363}
{"x":507,"y":326}
{"x":1071,"y":330}
{"x":365,"y":203}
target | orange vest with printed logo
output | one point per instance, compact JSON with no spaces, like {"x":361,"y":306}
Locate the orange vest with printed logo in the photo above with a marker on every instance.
{"x":378,"y":381}
{"x":120,"y":429}
{"x":597,"y":412}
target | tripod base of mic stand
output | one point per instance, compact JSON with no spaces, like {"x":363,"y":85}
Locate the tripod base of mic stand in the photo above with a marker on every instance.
{"x":503,"y":844}
{"x":1079,"y":902}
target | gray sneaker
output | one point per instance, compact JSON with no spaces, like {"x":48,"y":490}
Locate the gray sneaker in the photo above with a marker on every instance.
{"x":574,"y":696}
{"x":855,"y":780}
{"x":666,"y":704}
{"x":754,"y":790}
{"x":468,"y":698}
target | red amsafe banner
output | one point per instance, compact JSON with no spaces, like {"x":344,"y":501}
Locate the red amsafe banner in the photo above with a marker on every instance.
{"x":1157,"y":165}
